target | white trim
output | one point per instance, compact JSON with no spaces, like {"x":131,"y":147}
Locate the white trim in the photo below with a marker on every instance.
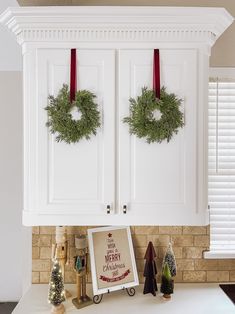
{"x":128,"y":24}
{"x":222,"y":72}
{"x":218,"y":255}
{"x":69,"y":218}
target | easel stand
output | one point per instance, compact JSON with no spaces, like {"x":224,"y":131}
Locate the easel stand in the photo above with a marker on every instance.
{"x":98,"y":298}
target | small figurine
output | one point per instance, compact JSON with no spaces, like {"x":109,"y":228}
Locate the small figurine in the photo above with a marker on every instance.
{"x":80,"y":266}
{"x":150,"y":271}
{"x":60,"y":251}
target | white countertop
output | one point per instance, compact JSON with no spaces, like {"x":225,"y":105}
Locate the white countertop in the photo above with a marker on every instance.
{"x":187,"y":299}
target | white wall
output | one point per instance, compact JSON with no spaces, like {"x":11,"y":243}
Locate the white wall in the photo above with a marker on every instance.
{"x":10,"y":186}
{"x":11,"y":231}
{"x":10,"y":52}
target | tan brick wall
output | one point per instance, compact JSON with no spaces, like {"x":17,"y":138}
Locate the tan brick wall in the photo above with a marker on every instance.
{"x":188,"y":244}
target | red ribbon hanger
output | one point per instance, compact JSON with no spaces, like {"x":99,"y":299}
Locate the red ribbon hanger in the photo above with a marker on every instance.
{"x":156,"y":73}
{"x":73,"y":75}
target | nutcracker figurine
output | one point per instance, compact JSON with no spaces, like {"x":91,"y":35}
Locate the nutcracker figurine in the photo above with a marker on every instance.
{"x":80,"y":266}
{"x":60,"y":251}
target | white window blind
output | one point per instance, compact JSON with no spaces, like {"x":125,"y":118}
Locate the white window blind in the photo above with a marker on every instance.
{"x":221,"y":166}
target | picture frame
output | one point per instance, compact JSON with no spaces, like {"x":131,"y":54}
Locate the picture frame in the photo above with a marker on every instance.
{"x":113,"y":265}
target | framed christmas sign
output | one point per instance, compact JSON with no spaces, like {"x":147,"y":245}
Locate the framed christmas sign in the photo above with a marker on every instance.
{"x":113,"y":264}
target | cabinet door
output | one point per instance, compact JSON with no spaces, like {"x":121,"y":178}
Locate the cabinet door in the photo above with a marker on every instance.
{"x":71,"y":179}
{"x":158,"y":182}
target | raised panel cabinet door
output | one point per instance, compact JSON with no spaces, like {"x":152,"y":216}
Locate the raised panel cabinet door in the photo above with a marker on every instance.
{"x":74,"y":178}
{"x":158,"y":182}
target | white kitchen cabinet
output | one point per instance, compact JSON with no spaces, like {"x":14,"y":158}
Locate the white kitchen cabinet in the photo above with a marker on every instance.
{"x":62,"y":178}
{"x":142,"y":183}
{"x":160,"y":180}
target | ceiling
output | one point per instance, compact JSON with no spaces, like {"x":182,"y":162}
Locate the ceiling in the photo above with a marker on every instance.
{"x":46,"y":2}
{"x":228,"y":4}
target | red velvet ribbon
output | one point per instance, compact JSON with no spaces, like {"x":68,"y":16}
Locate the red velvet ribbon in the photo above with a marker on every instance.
{"x":73,"y":75}
{"x":156,"y":73}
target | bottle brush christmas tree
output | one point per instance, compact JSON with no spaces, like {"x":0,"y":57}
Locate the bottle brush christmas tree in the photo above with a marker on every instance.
{"x":167,"y":284}
{"x":56,"y":293}
{"x":169,"y":258}
{"x":150,"y":270}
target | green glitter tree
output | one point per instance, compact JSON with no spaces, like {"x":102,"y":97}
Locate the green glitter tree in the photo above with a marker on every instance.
{"x":56,"y":293}
{"x":167,"y":284}
{"x":169,"y":258}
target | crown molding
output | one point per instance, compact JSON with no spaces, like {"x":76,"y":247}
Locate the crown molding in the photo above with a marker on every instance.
{"x":126,"y":24}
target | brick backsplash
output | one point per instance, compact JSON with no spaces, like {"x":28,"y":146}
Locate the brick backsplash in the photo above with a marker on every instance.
{"x":188,"y":244}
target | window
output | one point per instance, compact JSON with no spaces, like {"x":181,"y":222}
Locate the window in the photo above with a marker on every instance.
{"x":221,"y":163}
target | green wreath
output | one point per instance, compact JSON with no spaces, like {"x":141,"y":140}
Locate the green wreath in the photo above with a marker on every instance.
{"x":61,"y":122}
{"x":142,"y":122}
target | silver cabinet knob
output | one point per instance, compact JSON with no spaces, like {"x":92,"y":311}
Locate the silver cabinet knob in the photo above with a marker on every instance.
{"x":108,"y":209}
{"x":124,"y":209}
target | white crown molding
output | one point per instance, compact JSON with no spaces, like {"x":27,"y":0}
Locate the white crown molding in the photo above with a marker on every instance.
{"x":126,"y":24}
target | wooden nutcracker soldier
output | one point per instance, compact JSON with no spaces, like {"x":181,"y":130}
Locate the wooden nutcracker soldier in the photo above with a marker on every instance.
{"x":80,"y":266}
{"x":60,"y":251}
